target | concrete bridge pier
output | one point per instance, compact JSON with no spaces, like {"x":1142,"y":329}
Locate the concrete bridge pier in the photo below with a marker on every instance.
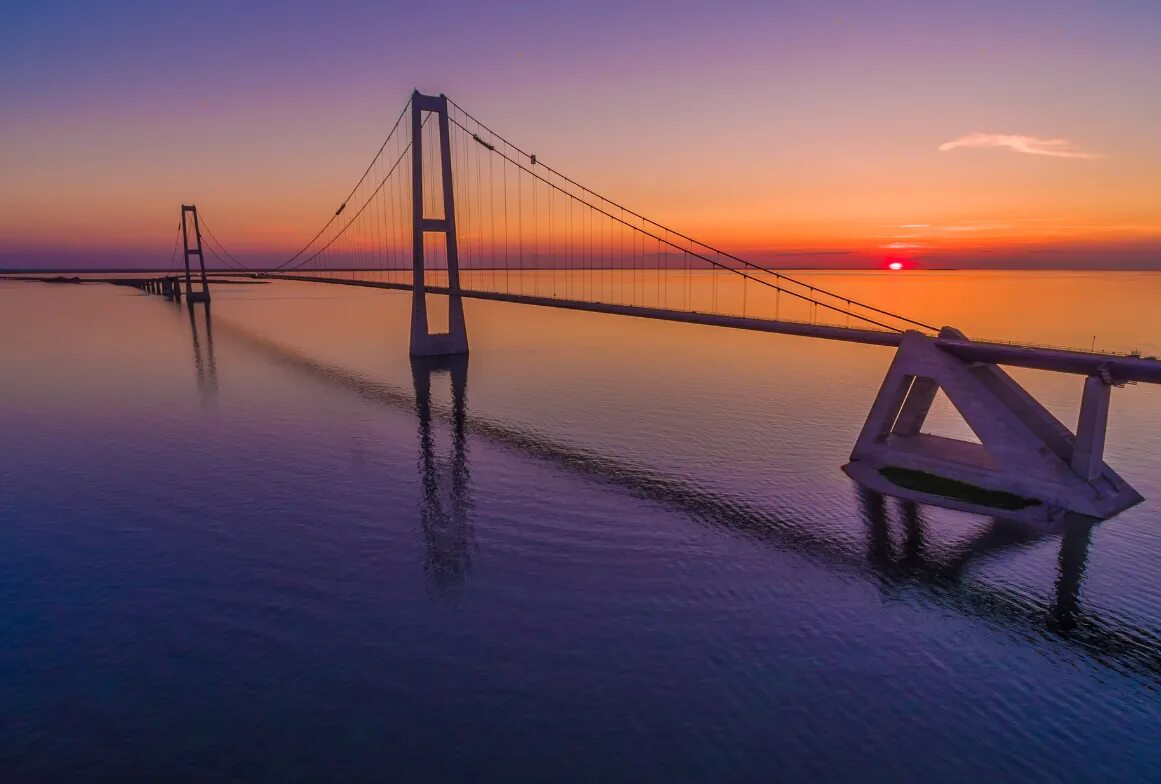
{"x":424,"y":343}
{"x":1027,"y":460}
{"x":191,"y":234}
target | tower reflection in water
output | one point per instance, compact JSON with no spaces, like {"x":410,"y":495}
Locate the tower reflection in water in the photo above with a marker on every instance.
{"x":911,"y":560}
{"x":449,"y":538}
{"x":205,"y":364}
{"x":447,"y":531}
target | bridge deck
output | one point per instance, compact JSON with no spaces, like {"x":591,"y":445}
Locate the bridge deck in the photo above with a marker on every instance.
{"x":1118,"y":368}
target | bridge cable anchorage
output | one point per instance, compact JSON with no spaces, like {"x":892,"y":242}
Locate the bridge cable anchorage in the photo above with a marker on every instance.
{"x":534,"y":161}
{"x":702,"y":256}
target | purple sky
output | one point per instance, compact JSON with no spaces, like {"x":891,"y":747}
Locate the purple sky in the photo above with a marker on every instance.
{"x":965,"y":134}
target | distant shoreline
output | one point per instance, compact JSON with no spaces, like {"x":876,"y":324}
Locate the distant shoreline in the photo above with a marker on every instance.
{"x":780,"y":268}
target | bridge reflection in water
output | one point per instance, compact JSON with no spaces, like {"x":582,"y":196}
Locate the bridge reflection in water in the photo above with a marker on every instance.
{"x":205,"y":363}
{"x":444,"y":520}
{"x":910,"y":557}
{"x":905,"y":563}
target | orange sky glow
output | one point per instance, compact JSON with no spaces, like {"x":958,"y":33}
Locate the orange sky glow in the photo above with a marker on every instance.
{"x":841,"y":136}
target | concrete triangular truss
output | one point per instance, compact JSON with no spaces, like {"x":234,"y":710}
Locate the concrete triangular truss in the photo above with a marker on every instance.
{"x":1024,"y":450}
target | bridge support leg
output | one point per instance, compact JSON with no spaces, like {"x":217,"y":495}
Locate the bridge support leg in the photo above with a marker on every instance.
{"x":190,"y":226}
{"x":1088,"y":454}
{"x":1027,"y":464}
{"x":424,"y":343}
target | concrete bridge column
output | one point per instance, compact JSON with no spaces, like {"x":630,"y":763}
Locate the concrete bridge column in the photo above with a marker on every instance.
{"x":193,"y":247}
{"x":1088,"y":452}
{"x":423,"y":342}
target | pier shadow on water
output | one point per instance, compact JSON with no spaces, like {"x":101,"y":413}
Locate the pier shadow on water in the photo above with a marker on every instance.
{"x":907,"y":556}
{"x":898,"y":554}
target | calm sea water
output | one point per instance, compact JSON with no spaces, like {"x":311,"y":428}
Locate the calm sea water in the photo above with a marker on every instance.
{"x":259,"y":544}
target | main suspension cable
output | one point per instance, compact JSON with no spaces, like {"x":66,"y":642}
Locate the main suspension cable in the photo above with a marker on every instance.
{"x":342,"y":206}
{"x":537,"y":162}
{"x":354,"y":217}
{"x":210,"y":234}
{"x":673,"y":245}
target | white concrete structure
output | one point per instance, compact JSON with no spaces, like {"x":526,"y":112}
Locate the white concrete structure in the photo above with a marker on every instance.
{"x":1024,"y":450}
{"x":423,"y":342}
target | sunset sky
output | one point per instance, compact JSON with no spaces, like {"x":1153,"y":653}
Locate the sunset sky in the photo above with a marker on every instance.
{"x":823,"y":133}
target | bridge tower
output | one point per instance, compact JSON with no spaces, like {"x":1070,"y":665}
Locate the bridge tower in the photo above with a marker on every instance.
{"x":189,"y":225}
{"x":423,"y":342}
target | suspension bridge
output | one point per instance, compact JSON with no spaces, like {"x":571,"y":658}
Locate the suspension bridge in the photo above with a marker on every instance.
{"x":452,"y":209}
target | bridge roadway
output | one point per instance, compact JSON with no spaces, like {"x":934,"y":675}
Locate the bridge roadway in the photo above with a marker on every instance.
{"x":1113,"y":368}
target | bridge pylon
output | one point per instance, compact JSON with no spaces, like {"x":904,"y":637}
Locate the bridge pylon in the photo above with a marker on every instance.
{"x":424,"y":343}
{"x":190,"y":226}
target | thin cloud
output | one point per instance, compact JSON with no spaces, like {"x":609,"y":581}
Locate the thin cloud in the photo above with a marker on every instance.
{"x":990,"y":226}
{"x":1029,"y":145}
